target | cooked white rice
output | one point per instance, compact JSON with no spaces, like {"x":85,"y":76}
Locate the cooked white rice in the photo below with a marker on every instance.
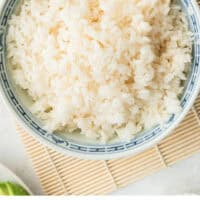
{"x":106,"y":67}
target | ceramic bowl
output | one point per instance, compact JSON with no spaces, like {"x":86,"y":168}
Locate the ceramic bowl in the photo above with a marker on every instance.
{"x":17,"y":101}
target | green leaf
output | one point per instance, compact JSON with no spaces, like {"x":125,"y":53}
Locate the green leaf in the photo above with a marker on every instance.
{"x":12,"y":189}
{"x":3,"y":190}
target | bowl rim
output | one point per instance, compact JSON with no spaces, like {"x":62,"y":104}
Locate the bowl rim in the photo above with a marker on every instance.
{"x":111,"y":155}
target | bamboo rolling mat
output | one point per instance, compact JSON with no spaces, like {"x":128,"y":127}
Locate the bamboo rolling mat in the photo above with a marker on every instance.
{"x":64,"y":175}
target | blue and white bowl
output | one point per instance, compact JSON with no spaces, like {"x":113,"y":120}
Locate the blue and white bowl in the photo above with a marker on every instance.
{"x":15,"y":100}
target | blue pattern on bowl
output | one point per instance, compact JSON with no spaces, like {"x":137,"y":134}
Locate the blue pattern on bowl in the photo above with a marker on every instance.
{"x":191,"y":90}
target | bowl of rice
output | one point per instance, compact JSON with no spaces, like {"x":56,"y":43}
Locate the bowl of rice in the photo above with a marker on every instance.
{"x":99,"y":79}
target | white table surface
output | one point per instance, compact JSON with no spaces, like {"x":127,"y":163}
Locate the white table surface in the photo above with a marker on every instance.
{"x":184,"y":177}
